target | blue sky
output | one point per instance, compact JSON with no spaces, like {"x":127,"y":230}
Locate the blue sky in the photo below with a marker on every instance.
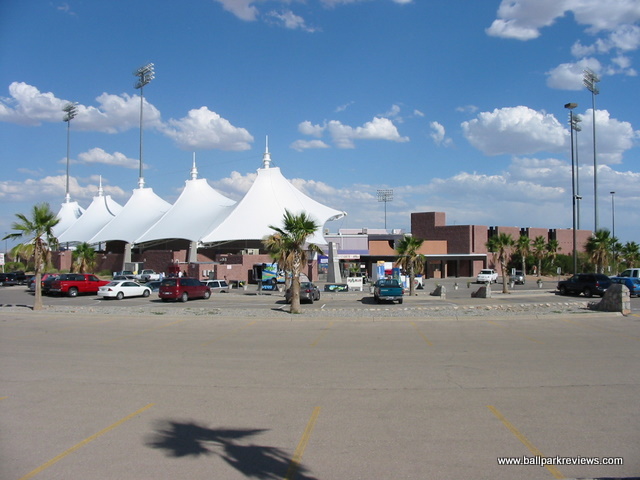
{"x":457,"y":106}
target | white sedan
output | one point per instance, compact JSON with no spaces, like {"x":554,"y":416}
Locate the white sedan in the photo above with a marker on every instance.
{"x":123,"y":288}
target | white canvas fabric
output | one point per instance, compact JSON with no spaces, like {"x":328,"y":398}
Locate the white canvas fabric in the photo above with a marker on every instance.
{"x":101,"y":211}
{"x":198,"y":209}
{"x":143,"y":209}
{"x":264,"y":204}
{"x":69,"y":213}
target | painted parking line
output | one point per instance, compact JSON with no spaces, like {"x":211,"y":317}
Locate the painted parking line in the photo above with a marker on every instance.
{"x":600,"y":329}
{"x":325,"y":331}
{"x":232,"y":332}
{"x":302,"y":445}
{"x":424,"y":337}
{"x":54,"y":460}
{"x":531,"y":339}
{"x":532,"y":448}
{"x":144,"y":331}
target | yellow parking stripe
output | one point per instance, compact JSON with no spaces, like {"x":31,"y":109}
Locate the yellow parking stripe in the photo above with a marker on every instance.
{"x":84,"y":442}
{"x":424,"y":337}
{"x":326,"y":330}
{"x":554,"y":471}
{"x":302,"y":445}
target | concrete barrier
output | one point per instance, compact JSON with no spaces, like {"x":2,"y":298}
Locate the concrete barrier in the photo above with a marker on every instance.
{"x":482,"y":292}
{"x":440,"y":291}
{"x":615,"y":299}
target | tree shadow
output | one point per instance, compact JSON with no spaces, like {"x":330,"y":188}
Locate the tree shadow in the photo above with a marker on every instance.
{"x":183,"y":439}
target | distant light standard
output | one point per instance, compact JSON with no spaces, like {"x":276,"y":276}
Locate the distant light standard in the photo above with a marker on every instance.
{"x":613,"y":227}
{"x":571,"y":106}
{"x":590,"y":80}
{"x":577,"y":128}
{"x":71,"y":110}
{"x":145,"y":75}
{"x":385,"y":196}
{"x":613,"y":214}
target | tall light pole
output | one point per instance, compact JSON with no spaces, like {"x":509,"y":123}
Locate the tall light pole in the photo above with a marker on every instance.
{"x":613,"y":214}
{"x":71,"y":110}
{"x":145,"y":75}
{"x":590,"y":80}
{"x":613,"y":228}
{"x":385,"y":196}
{"x":571,"y":106}
{"x":577,"y":128}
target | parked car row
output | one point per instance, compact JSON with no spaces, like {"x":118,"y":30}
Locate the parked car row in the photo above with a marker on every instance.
{"x":590,"y":284}
{"x":14,"y":278}
{"x":124,"y":285}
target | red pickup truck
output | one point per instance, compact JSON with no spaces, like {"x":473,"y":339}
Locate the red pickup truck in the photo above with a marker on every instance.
{"x":72,"y":284}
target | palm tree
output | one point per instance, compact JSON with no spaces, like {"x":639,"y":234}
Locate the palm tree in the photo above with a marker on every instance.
{"x":552,"y":249}
{"x":502,"y":245}
{"x":295,"y":231}
{"x":539,"y":251}
{"x":409,"y":258}
{"x":598,"y":247}
{"x":38,"y":232}
{"x":631,"y":254}
{"x":84,"y":257}
{"x":492,"y":246}
{"x":274,"y":245}
{"x":522,"y":248}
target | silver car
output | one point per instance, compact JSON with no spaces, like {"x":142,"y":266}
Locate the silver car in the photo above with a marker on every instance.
{"x":518,"y":277}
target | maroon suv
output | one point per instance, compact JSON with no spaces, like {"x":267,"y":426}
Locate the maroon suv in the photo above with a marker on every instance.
{"x":183,"y":289}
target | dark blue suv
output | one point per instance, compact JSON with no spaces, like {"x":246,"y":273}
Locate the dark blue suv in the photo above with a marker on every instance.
{"x":588,"y":283}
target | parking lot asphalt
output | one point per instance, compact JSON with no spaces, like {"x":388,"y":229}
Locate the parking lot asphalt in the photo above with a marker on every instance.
{"x":200,"y":397}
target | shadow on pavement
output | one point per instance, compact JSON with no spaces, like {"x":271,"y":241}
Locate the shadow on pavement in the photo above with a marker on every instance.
{"x":183,"y":439}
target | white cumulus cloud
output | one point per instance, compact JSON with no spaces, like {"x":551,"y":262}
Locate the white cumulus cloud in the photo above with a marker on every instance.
{"x":203,"y":129}
{"x":523,"y":19}
{"x":514,"y":130}
{"x":98,"y":155}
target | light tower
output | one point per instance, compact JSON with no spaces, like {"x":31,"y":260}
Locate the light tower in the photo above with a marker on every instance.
{"x":385,"y":196}
{"x":590,"y":81}
{"x":71,"y":110}
{"x":575,"y":124}
{"x":571,"y":106}
{"x":145,"y":75}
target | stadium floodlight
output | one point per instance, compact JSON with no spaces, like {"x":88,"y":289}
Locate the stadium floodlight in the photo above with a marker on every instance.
{"x":575,"y":124}
{"x":145,"y":74}
{"x":590,"y":80}
{"x":71,"y":110}
{"x":385,"y":196}
{"x":571,"y":106}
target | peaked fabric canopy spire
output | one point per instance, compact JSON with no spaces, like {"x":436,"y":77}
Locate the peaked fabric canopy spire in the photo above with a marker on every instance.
{"x":197,"y":211}
{"x":69,"y":213}
{"x":265,"y":203}
{"x":143,"y":209}
{"x":101,"y":211}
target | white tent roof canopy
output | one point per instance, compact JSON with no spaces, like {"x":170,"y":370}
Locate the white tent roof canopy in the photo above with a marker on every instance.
{"x":265,"y":204}
{"x":197,"y":211}
{"x":68,"y":215}
{"x":200,"y":214}
{"x":143,"y":209}
{"x":101,"y":211}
